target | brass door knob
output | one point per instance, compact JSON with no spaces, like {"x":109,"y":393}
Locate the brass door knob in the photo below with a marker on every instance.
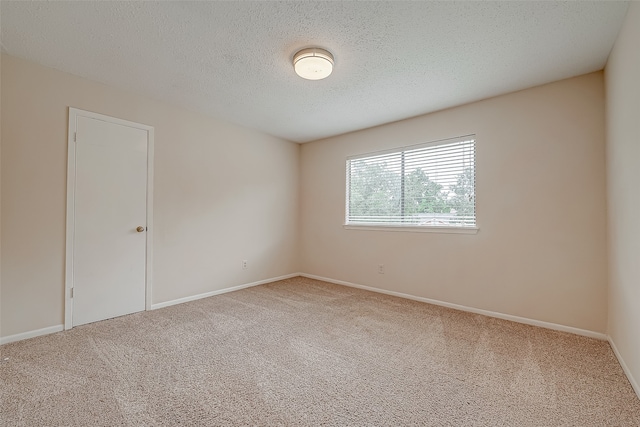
{"x":140,"y":229}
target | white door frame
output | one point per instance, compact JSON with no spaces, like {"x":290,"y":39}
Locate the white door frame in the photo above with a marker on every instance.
{"x":74,"y":113}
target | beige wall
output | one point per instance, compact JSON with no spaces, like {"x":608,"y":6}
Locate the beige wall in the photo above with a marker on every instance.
{"x":1,"y":199}
{"x":541,"y":249}
{"x":623,"y":173}
{"x":222,"y":194}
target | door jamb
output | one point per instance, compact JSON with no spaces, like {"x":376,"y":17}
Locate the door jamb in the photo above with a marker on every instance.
{"x":74,"y":113}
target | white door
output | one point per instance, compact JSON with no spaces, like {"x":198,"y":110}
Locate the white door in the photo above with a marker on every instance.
{"x":109,"y":220}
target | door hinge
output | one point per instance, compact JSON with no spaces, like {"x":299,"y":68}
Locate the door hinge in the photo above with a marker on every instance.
{"x":71,"y":292}
{"x":75,"y":137}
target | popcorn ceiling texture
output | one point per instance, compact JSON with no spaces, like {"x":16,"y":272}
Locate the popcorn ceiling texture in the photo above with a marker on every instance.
{"x":394,"y":60}
{"x":307,"y":353}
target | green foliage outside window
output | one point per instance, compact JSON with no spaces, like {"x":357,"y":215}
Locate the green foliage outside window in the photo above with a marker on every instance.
{"x":376,"y":195}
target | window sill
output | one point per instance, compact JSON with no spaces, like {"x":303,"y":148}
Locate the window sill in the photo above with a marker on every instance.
{"x":413,"y":229}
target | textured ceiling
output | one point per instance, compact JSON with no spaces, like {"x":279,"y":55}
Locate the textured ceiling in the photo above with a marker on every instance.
{"x":394,"y":60}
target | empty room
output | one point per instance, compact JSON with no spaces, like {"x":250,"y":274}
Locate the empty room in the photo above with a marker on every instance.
{"x":336,"y":213}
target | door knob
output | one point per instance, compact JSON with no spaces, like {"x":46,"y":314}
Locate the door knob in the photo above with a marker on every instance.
{"x":140,"y":229}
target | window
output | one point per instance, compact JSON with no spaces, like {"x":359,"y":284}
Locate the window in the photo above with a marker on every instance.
{"x":422,"y":186}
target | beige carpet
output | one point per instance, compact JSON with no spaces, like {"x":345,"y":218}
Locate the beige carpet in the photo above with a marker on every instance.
{"x":307,"y":353}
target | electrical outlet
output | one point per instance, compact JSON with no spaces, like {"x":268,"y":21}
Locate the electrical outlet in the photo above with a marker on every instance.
{"x":244,"y":264}
{"x":380,"y":268}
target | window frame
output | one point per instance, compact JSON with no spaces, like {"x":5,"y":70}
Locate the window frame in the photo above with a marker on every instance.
{"x":411,"y":228}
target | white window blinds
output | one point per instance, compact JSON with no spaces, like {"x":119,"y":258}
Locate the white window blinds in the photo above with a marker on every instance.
{"x":430,"y":185}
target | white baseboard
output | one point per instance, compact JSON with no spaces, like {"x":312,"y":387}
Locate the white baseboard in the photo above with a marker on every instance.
{"x":548,"y":325}
{"x":58,"y":328}
{"x":221,"y":291}
{"x":625,"y":368}
{"x":31,"y":334}
{"x":526,"y":321}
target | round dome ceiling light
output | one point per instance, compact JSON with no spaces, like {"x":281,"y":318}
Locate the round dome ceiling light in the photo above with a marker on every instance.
{"x":313,"y":64}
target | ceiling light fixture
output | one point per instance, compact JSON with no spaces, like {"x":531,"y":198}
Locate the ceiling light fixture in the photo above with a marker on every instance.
{"x":313,"y":64}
